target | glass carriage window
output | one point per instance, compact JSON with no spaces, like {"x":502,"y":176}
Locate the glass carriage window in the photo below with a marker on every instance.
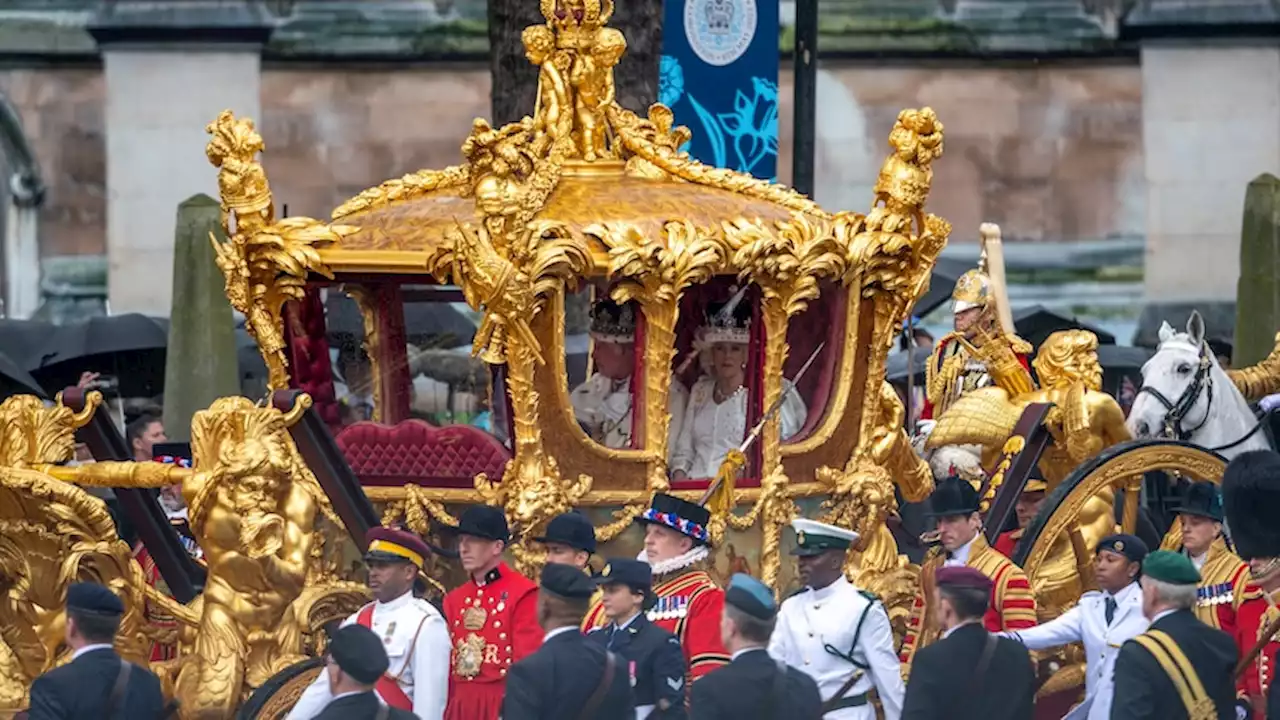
{"x":604,"y":366}
{"x":816,"y":339}
{"x":719,"y":355}
{"x":447,"y":385}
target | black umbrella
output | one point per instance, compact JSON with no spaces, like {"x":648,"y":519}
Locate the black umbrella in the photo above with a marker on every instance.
{"x":433,"y":324}
{"x":946,"y":271}
{"x":16,"y":381}
{"x":129,"y":348}
{"x":19,"y":339}
{"x":895,"y":367}
{"x":1036,"y":323}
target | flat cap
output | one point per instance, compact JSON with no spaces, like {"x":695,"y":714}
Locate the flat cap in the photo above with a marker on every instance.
{"x":962,"y":577}
{"x":1130,"y":546}
{"x":572,"y":529}
{"x":359,"y":653}
{"x":93,"y":598}
{"x":484,"y":521}
{"x":1171,"y":567}
{"x":395,"y":545}
{"x":566,"y":581}
{"x":815,"y":538}
{"x":751,"y":597}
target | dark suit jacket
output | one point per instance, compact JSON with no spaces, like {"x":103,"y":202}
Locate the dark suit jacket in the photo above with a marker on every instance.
{"x":360,"y":707}
{"x":555,"y":682}
{"x":659,"y":664}
{"x":944,"y":686}
{"x":743,"y":690}
{"x":79,"y":691}
{"x":1144,"y":690}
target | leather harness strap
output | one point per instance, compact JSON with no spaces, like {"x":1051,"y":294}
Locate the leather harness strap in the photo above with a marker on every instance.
{"x":117,"y":691}
{"x":606,"y":681}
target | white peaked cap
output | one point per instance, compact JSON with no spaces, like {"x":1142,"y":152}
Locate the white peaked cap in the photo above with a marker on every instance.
{"x":815,"y":528}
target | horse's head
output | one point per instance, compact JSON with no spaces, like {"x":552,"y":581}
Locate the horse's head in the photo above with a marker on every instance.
{"x":1177,"y":385}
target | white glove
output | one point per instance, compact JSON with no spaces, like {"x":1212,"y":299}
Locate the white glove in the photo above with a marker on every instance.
{"x":1270,"y":402}
{"x":925,"y":427}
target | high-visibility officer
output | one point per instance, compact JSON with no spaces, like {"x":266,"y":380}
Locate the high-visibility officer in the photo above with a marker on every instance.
{"x":834,"y":632}
{"x":413,"y":632}
{"x":1103,"y":620}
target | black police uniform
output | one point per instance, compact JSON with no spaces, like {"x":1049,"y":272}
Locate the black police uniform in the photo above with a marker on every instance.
{"x":1143,"y":688}
{"x":558,"y":680}
{"x":81,"y":689}
{"x":359,"y":654}
{"x":754,"y":686}
{"x":654,"y":656}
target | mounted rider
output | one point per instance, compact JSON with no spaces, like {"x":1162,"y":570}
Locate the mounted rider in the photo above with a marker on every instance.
{"x":982,"y":351}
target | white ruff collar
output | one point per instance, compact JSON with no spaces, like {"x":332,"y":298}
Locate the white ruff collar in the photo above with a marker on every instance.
{"x":680,"y":562}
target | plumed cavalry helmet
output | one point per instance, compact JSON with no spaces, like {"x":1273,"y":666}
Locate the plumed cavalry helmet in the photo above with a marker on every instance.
{"x":1251,"y":499}
{"x":972,"y":290}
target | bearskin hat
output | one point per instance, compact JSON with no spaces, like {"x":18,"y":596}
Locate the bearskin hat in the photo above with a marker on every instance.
{"x":1251,"y":499}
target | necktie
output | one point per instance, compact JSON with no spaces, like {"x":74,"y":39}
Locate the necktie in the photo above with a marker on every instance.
{"x":613,"y":633}
{"x":1111,"y":609}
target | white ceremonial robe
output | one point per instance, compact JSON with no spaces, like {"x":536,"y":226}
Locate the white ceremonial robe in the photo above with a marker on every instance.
{"x":602,"y":402}
{"x":417,"y":643}
{"x":1086,"y":623}
{"x":812,"y":619}
{"x":710,"y":429}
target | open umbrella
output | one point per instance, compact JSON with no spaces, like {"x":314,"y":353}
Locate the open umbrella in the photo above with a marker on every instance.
{"x":14,"y":380}
{"x":129,"y":348}
{"x":19,"y":339}
{"x":946,"y":271}
{"x":1036,"y":323}
{"x":895,"y":367}
{"x":434,"y":324}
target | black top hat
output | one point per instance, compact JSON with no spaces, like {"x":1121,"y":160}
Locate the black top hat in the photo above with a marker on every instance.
{"x":1251,"y":499}
{"x":680,"y":515}
{"x":359,"y":653}
{"x":484,"y":521}
{"x":953,"y":496}
{"x":566,"y":581}
{"x":1201,"y":499}
{"x":93,"y":598}
{"x":572,"y":529}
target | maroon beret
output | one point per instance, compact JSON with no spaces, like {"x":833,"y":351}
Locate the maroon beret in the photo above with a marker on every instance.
{"x":392,"y":545}
{"x":962,"y":577}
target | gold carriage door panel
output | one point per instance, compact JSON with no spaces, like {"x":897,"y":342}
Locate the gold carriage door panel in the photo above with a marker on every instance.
{"x":562,"y":436}
{"x":831,"y":440}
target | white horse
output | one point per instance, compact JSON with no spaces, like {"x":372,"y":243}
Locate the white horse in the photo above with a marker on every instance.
{"x":1186,"y":395}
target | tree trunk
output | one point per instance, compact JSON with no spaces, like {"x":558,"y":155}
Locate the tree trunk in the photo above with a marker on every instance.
{"x":515,"y":80}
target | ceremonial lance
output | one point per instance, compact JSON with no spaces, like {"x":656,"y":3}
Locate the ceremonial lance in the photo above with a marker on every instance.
{"x":736,"y":459}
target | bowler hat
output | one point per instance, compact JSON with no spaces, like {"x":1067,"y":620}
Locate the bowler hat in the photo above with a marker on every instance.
{"x":359,"y":653}
{"x":484,"y":521}
{"x":680,"y":515}
{"x":572,"y":529}
{"x":953,"y":496}
{"x":1201,"y":499}
{"x":1251,"y":499}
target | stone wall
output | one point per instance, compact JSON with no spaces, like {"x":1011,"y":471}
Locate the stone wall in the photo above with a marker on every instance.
{"x":1053,"y":151}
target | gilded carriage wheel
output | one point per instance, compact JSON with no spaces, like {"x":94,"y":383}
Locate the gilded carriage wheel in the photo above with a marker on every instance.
{"x":277,"y":696}
{"x":1119,"y":468}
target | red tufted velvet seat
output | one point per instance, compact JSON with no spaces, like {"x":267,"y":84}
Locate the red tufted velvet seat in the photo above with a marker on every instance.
{"x":416,"y":452}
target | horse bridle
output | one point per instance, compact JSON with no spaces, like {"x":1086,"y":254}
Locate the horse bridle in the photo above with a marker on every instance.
{"x":1176,"y":411}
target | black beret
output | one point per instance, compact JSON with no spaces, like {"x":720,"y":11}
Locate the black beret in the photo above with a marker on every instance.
{"x":359,"y":653}
{"x":484,"y":521}
{"x":93,"y":598}
{"x":572,"y":529}
{"x":566,"y":581}
{"x":1129,"y":546}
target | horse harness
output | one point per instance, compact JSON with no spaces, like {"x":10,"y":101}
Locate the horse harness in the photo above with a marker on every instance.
{"x":1176,"y":410}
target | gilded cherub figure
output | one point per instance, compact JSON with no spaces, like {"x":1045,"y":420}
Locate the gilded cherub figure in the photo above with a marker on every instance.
{"x":906,"y":176}
{"x":594,"y":90}
{"x":553,"y":94}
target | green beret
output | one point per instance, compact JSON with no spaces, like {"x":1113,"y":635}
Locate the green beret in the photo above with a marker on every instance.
{"x":1171,"y":567}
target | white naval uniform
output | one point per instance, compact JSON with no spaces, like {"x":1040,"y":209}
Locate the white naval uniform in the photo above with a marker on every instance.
{"x":1086,"y":622}
{"x":406,"y":625}
{"x":607,"y":403}
{"x":710,"y":429}
{"x":812,"y":619}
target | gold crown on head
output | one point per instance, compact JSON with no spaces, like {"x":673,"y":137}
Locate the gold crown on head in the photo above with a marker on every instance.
{"x":972,"y":289}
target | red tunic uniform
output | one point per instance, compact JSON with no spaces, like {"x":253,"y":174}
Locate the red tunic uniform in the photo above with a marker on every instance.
{"x":946,"y":347}
{"x":1008,"y":541}
{"x":1222,"y":577}
{"x":491,"y":625}
{"x":1012,"y":606}
{"x":1253,"y":612}
{"x":689,"y":606}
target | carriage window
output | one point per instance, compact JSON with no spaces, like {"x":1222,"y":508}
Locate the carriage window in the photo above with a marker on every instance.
{"x":718,"y":350}
{"x":816,"y":338}
{"x":604,"y":366}
{"x":447,"y":385}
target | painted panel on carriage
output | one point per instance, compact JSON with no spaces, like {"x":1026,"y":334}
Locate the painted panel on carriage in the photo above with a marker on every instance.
{"x":719,"y":73}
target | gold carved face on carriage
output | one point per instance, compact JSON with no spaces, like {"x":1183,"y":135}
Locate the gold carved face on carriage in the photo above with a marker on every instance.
{"x":1069,"y":356}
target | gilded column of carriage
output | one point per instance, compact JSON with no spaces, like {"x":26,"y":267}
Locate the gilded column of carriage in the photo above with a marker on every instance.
{"x":264,"y":261}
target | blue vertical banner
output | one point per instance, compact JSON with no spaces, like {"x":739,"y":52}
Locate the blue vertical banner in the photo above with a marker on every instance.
{"x":720,"y":75}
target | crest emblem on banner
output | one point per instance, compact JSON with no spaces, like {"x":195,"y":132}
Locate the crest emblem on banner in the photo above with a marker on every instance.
{"x":720,"y":31}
